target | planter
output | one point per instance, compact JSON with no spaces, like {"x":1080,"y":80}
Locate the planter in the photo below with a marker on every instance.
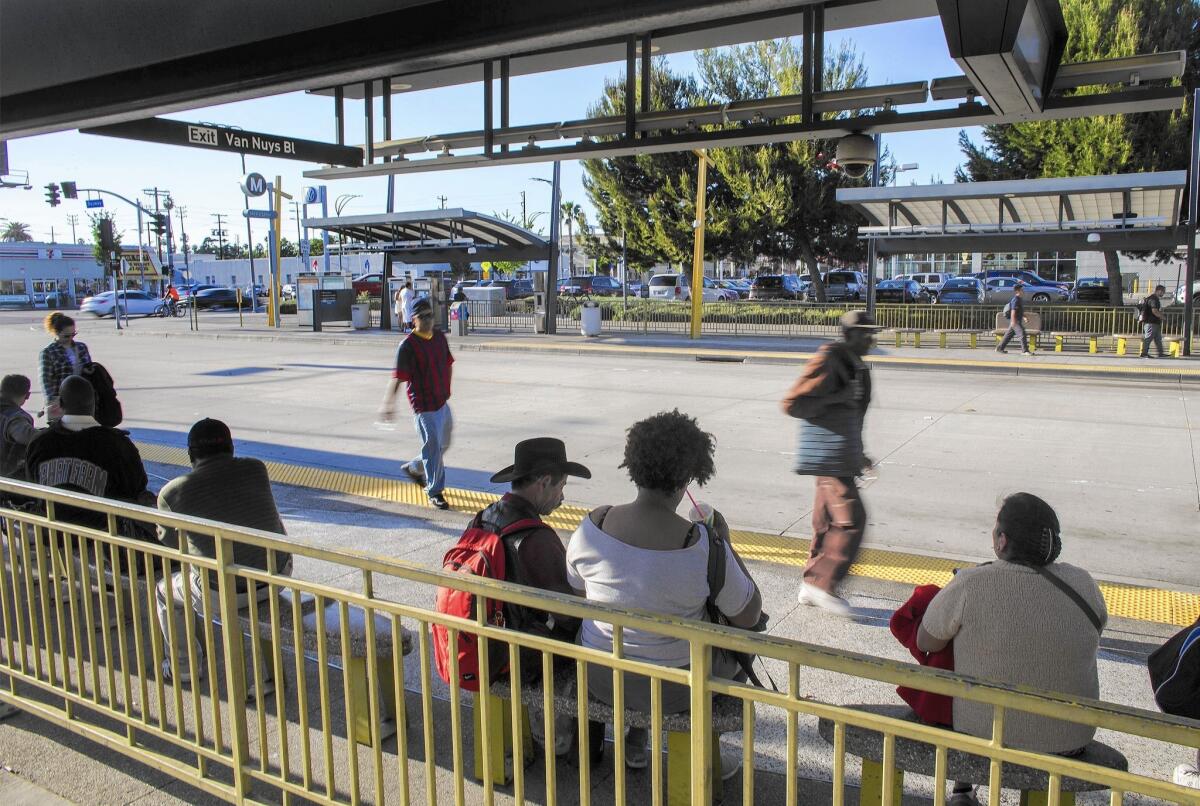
{"x":360,"y":315}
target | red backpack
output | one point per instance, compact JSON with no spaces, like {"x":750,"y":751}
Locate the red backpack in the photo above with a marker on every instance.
{"x":479,"y":552}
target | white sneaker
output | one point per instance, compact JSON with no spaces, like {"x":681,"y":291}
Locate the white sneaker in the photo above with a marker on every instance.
{"x":1187,"y":775}
{"x":815,"y":597}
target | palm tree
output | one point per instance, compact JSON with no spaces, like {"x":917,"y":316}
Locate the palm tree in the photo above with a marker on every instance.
{"x":569,"y":211}
{"x":16,"y":231}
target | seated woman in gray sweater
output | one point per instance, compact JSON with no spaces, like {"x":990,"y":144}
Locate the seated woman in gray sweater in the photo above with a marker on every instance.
{"x":1012,"y":621}
{"x":642,"y":554}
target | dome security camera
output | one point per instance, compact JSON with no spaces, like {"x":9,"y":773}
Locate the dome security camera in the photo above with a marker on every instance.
{"x":856,"y":154}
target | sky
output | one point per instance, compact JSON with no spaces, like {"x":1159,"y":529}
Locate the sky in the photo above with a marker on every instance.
{"x":206,"y":183}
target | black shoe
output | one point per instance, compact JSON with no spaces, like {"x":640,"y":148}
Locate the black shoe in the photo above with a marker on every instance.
{"x":1002,"y":352}
{"x":439,"y":501}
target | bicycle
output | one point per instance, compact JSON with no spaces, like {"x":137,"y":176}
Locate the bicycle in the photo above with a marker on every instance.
{"x":170,"y":308}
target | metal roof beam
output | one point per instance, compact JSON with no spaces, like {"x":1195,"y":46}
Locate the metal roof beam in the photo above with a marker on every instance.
{"x":1133,"y":240}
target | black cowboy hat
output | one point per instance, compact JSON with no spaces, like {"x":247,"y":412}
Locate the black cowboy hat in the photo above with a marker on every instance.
{"x":539,"y":456}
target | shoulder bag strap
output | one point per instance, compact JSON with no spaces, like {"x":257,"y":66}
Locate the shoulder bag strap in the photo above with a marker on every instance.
{"x":716,"y":581}
{"x":1074,"y":597}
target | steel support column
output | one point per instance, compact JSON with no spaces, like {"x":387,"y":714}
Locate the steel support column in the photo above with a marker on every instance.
{"x":646,"y":73}
{"x":369,"y":122}
{"x":504,"y":75}
{"x":1189,"y":302}
{"x":489,"y":131}
{"x":818,"y":48}
{"x":631,"y":88}
{"x":385,"y":307}
{"x":552,"y":265}
{"x":808,"y":74}
{"x":339,"y":115}
{"x":872,"y":252}
{"x":698,"y":245}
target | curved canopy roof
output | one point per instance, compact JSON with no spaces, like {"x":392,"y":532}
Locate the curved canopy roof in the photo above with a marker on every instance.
{"x":1131,"y":211}
{"x":436,"y":236}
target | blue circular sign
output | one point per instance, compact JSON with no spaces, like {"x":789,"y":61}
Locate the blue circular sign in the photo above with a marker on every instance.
{"x":311,"y":195}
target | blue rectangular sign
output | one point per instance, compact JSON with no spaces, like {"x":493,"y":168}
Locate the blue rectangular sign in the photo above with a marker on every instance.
{"x":258,"y":213}
{"x":94,"y":203}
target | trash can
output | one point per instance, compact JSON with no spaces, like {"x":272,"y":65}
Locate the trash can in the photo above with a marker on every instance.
{"x":460,"y":318}
{"x":589,"y":318}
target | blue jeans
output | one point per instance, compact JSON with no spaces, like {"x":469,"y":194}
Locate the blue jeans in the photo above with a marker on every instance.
{"x":1152,"y":334}
{"x":434,"y":428}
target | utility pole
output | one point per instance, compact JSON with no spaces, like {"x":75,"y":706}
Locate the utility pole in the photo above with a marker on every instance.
{"x":295,"y":205}
{"x":169,"y":205}
{"x":442,"y":200}
{"x":220,"y":233}
{"x":187,"y":266}
{"x":72,"y":220}
{"x":155,"y":192}
{"x":524,"y":220}
{"x":52,"y":235}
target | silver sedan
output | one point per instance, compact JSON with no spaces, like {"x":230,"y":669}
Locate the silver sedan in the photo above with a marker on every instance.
{"x":999,"y":290}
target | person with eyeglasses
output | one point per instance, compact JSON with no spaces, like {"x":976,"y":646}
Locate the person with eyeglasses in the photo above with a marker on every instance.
{"x":60,"y":359}
{"x":424,"y":362}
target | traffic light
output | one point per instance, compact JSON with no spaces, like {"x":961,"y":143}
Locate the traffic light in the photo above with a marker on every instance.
{"x":69,"y":190}
{"x":52,"y":197}
{"x":158,"y":224}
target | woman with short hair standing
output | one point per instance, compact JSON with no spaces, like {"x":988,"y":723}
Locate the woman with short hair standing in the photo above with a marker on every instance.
{"x":60,"y":359}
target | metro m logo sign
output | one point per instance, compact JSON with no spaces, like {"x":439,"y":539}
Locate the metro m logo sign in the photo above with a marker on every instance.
{"x":255,"y":184}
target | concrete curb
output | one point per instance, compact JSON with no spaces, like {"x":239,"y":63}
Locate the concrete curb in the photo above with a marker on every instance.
{"x":1028,"y":368}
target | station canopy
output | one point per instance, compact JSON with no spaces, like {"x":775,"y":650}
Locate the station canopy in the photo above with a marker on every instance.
{"x":1132,"y":212}
{"x":437,"y":236}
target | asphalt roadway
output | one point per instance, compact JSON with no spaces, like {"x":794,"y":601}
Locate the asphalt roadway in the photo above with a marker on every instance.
{"x":1116,"y":458}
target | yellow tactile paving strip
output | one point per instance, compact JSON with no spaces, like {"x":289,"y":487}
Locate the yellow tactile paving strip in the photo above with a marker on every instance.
{"x":1127,"y":601}
{"x":1132,"y":369}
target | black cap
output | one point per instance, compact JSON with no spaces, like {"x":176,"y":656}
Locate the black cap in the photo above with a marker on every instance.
{"x":209,"y":433}
{"x":540,"y":455}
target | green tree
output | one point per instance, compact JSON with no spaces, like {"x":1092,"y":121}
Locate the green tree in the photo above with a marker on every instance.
{"x":98,"y":251}
{"x":288,"y":249}
{"x":645,"y":196}
{"x":316,"y":247}
{"x":16,"y":231}
{"x":1099,"y":29}
{"x":571,"y":213}
{"x":779,"y":199}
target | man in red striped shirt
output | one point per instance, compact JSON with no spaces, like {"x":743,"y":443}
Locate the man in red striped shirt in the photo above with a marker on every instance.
{"x":424,"y":363}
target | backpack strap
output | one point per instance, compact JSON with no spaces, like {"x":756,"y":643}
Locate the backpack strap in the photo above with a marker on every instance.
{"x":520,"y":526}
{"x":1074,"y":596}
{"x":716,"y":581}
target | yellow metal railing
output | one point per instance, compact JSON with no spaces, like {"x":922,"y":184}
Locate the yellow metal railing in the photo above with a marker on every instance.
{"x":81,"y":648}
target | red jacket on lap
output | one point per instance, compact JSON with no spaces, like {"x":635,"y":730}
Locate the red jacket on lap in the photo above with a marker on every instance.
{"x":936,"y":709}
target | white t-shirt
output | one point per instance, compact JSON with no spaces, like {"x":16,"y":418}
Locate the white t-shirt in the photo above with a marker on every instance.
{"x":673,"y":582}
{"x":406,"y":303}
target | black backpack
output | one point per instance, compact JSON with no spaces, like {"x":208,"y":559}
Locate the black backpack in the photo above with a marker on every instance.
{"x":108,"y":408}
{"x":1175,"y":673}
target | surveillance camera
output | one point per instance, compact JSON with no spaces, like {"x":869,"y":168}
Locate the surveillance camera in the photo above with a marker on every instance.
{"x":856,"y":155}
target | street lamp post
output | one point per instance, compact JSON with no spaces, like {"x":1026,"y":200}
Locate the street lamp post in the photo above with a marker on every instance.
{"x":908,"y":166}
{"x":339,"y":204}
{"x":552,"y":263}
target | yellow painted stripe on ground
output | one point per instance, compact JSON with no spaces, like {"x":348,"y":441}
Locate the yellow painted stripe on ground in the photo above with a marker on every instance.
{"x":1132,"y":369}
{"x":1127,"y":601}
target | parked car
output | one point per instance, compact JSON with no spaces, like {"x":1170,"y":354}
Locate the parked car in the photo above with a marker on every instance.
{"x":598,"y":285}
{"x":514,"y":289}
{"x":259,"y":290}
{"x":1091,"y":289}
{"x":186,"y":292}
{"x":930,"y":281}
{"x":999,"y":290}
{"x":961,"y":290}
{"x":723,"y":294}
{"x":135,"y":303}
{"x":371,"y":283}
{"x":678,"y":287}
{"x":776,"y":286}
{"x":739,"y":287}
{"x":217,"y":298}
{"x":1179,"y":292}
{"x":845,"y":285}
{"x":895,"y":290}
{"x":1026,"y":277}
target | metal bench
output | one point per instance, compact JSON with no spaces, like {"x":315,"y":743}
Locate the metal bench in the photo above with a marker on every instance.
{"x":971,"y":334}
{"x":1033,"y":328}
{"x":901,"y":332}
{"x":1092,"y":339}
{"x":920,"y":758}
{"x":726,"y":717}
{"x":1172,"y":344}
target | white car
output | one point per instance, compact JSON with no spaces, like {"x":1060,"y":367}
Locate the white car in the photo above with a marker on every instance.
{"x":135,"y":303}
{"x":678,"y":287}
{"x":1195,"y":292}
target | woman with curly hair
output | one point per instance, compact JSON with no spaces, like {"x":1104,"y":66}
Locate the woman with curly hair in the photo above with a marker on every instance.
{"x":60,"y":359}
{"x":642,"y":554}
{"x":1024,"y":620}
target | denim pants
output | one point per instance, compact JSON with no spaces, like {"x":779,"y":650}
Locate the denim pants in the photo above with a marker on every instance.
{"x":1152,"y":333}
{"x":434,"y":428}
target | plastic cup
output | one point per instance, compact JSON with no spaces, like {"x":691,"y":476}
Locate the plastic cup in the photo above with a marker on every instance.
{"x":701,"y":513}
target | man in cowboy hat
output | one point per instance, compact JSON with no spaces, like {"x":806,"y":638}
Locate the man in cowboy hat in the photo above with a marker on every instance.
{"x":831,"y":398}
{"x":536,"y":557}
{"x":424,"y":361}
